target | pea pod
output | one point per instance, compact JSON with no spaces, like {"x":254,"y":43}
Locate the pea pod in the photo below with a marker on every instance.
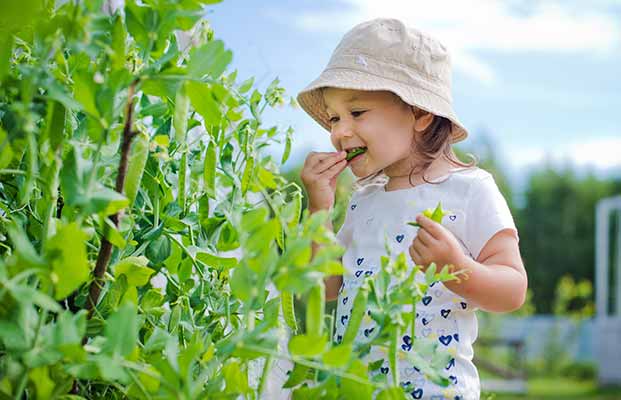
{"x":288,"y":311}
{"x":247,"y":175}
{"x":180,"y":119}
{"x":137,"y":162}
{"x":435,"y":215}
{"x":175,"y":318}
{"x":280,"y":235}
{"x":297,"y":209}
{"x":315,"y":308}
{"x":357,"y":313}
{"x":354,"y":153}
{"x":183,"y":168}
{"x":285,"y":155}
{"x":209,"y":170}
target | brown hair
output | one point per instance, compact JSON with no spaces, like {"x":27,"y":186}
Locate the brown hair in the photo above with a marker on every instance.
{"x":432,"y":143}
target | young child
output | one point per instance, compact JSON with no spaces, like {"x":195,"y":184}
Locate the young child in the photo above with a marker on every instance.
{"x":386,"y":89}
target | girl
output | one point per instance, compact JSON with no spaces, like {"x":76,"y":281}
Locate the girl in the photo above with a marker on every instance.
{"x":385,"y":95}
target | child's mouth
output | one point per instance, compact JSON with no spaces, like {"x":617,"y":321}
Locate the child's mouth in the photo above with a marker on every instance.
{"x":355,"y":152}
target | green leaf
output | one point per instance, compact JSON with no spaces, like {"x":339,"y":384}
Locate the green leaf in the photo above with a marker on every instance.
{"x":135,"y":269}
{"x":210,"y":59}
{"x":220,"y":263}
{"x":307,"y":346}
{"x":6,"y":153}
{"x":84,"y":92}
{"x":119,"y":36}
{"x":353,"y":389}
{"x":299,"y":374}
{"x":236,"y":380}
{"x":159,"y":250}
{"x":204,"y":103}
{"x":338,"y":356}
{"x":121,"y":330}
{"x":6,"y":48}
{"x":106,"y":201}
{"x":66,"y":253}
{"x":246,"y":85}
{"x":244,"y":283}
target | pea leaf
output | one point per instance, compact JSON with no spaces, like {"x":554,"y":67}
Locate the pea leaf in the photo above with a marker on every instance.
{"x":135,"y":269}
{"x":210,"y":59}
{"x":121,"y":330}
{"x":66,"y":253}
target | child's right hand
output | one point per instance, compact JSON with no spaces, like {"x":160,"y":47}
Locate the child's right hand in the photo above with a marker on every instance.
{"x":319,"y":175}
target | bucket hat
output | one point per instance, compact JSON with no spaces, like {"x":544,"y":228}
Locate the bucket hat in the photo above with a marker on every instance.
{"x":385,"y":54}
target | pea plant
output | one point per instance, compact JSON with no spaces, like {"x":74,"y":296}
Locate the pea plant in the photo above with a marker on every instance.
{"x":149,"y":247}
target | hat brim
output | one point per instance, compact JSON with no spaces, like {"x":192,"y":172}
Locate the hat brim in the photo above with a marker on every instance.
{"x":311,"y":98}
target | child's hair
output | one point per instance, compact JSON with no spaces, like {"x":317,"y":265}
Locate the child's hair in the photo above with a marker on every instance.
{"x":435,"y":142}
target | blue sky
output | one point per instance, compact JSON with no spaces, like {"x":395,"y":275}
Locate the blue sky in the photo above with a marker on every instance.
{"x":540,"y":78}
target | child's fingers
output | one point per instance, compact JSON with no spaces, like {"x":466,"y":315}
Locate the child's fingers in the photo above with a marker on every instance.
{"x":425,"y":237}
{"x":434,"y":229}
{"x":416,"y":257}
{"x":335,"y":169}
{"x":326,"y":163}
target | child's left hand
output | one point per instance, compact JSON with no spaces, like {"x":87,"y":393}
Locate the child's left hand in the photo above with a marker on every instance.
{"x":434,"y":243}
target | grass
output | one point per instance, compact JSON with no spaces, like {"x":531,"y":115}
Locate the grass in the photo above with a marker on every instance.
{"x":560,"y":388}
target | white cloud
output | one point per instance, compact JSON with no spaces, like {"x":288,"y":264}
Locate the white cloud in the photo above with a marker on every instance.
{"x":600,"y":153}
{"x":467,"y":26}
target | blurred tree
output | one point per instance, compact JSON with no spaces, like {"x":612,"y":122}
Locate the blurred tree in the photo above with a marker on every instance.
{"x":557,"y":228}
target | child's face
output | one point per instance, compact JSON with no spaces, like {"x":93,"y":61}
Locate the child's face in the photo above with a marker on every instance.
{"x":377,"y":120}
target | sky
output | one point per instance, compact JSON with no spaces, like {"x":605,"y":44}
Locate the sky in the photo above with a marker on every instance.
{"x":539,"y":79}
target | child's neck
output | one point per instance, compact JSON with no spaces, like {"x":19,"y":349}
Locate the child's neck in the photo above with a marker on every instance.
{"x":438,"y":168}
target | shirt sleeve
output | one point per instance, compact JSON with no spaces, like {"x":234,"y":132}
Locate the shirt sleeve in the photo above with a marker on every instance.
{"x":487,"y":214}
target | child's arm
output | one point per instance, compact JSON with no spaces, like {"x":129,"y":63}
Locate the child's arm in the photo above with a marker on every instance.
{"x":495,"y":282}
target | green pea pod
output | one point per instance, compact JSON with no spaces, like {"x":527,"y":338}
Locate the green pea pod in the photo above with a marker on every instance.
{"x":209,"y":170}
{"x":183,"y":168}
{"x":438,"y":214}
{"x":180,"y":119}
{"x":175,"y":317}
{"x":247,"y":175}
{"x":315,"y":308}
{"x":285,"y":155}
{"x":280,"y":236}
{"x":288,"y":311}
{"x":137,"y":162}
{"x":435,"y":215}
{"x":357,"y":313}
{"x":297,"y":209}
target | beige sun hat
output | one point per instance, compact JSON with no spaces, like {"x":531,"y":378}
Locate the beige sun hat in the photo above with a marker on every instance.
{"x":385,"y":54}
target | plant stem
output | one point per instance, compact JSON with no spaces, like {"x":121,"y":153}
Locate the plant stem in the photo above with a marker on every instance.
{"x":105,"y":251}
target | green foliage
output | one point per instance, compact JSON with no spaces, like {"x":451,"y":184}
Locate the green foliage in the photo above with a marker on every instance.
{"x":141,"y":222}
{"x":557,"y":229}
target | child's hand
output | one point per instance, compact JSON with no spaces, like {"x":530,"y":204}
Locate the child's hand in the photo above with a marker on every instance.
{"x":319,"y":175}
{"x":434,"y":243}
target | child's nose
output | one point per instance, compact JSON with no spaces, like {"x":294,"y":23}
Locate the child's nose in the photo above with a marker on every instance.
{"x":343,"y":129}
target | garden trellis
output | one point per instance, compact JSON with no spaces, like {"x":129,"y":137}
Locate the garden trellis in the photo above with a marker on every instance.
{"x":608,"y":317}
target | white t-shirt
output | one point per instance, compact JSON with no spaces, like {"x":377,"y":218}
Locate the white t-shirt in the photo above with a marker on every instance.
{"x":477,"y":212}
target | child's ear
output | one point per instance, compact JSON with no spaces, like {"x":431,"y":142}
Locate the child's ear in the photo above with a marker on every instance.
{"x":422,"y":120}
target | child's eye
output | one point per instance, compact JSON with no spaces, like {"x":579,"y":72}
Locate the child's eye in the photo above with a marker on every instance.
{"x":353,"y":113}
